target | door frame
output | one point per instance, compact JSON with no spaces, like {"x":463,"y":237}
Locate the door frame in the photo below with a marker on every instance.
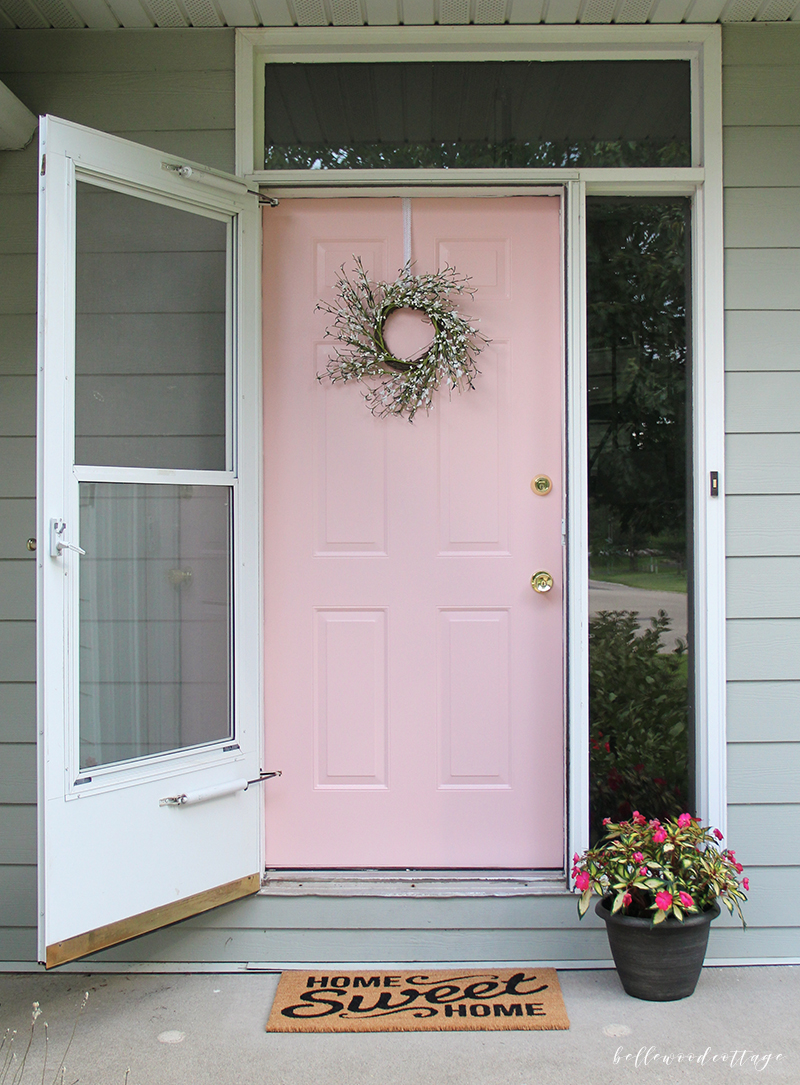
{"x":701,"y":45}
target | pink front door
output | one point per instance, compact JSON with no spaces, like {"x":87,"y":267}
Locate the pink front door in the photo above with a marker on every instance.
{"x":413,"y":679}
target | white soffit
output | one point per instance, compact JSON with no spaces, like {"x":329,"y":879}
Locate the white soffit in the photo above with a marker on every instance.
{"x":107,"y":14}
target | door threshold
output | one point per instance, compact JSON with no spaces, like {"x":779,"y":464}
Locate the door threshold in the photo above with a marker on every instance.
{"x":413,"y":883}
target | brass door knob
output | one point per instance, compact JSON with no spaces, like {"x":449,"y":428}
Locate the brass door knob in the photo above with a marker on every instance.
{"x":541,"y":582}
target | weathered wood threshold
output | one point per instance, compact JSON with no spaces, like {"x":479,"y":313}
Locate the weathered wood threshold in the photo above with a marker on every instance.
{"x":412,"y":883}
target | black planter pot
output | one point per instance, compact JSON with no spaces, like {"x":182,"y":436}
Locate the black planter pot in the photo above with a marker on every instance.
{"x":662,"y":963}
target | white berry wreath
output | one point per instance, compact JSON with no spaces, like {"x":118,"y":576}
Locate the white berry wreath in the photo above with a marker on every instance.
{"x":401,"y":385}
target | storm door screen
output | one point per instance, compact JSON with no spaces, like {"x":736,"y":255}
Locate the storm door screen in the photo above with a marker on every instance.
{"x":151,"y":290}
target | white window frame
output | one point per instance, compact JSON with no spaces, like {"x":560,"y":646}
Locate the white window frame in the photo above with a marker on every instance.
{"x":701,"y":182}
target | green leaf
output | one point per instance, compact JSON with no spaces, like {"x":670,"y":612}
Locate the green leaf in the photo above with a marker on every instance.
{"x":659,"y":917}
{"x":584,"y":902}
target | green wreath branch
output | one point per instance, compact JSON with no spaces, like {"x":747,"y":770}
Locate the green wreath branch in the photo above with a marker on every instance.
{"x":401,"y":385}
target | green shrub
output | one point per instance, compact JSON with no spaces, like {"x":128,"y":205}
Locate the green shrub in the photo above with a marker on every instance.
{"x":638,"y":713}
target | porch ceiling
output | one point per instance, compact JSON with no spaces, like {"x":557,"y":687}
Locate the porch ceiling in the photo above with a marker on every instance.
{"x":112,"y":14}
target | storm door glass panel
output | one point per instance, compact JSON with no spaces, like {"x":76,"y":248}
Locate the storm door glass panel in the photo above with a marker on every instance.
{"x":150,"y":334}
{"x":484,"y":114}
{"x":640,"y":498}
{"x":155,"y":624}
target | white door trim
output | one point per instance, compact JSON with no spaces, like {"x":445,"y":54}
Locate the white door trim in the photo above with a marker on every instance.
{"x":700,"y":44}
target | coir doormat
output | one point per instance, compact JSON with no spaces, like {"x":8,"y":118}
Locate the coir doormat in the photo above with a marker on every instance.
{"x":457,"y":1000}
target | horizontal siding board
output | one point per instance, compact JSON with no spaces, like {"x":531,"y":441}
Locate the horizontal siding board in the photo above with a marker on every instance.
{"x":387,"y":913}
{"x":18,"y":406}
{"x":17,"y":223}
{"x":17,"y":343}
{"x":17,"y":652}
{"x":762,"y":217}
{"x":133,"y":51}
{"x":140,"y":343}
{"x":764,"y":649}
{"x":18,"y":838}
{"x":109,"y":222}
{"x":763,"y":587}
{"x":761,"y":525}
{"x":209,"y":147}
{"x":17,"y":591}
{"x":18,"y":778}
{"x":17,"y":525}
{"x":761,"y":95}
{"x":762,"y":278}
{"x":762,"y":402}
{"x":744,"y":46}
{"x":18,"y":896}
{"x":17,"y":712}
{"x":763,"y":711}
{"x":766,"y":156}
{"x":19,"y":170}
{"x":125,"y":100}
{"x":778,"y":943}
{"x":17,"y":283}
{"x":18,"y":457}
{"x":770,"y":897}
{"x":187,"y":944}
{"x":727,"y":941}
{"x":18,"y":944}
{"x":142,"y":283}
{"x":762,"y":463}
{"x":763,"y":773}
{"x":767,"y":836}
{"x":762,"y":340}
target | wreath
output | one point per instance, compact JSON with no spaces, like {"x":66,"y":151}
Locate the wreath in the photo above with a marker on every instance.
{"x":401,"y":385}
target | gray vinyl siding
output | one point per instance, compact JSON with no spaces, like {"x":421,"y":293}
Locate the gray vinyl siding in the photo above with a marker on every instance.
{"x":761,"y":80}
{"x":174,"y":90}
{"x":168,"y":89}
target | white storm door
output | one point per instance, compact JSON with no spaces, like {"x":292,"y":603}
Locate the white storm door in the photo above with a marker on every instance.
{"x":148,"y":498}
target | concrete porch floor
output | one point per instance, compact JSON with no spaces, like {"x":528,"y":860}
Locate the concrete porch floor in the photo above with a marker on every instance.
{"x":175,"y":1029}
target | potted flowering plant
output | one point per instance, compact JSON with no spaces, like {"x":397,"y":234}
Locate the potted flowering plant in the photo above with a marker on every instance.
{"x":660,"y":883}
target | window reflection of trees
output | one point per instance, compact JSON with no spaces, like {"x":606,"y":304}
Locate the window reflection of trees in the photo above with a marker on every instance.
{"x":638,"y":410}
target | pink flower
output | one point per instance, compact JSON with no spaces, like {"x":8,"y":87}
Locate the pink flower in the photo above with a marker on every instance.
{"x":684,"y":820}
{"x":746,"y":884}
{"x":643,"y":871}
{"x":686,"y":900}
{"x":583,"y":881}
{"x":638,"y":819}
{"x":664,"y":900}
{"x":638,"y":857}
{"x":659,"y":836}
{"x":576,"y":858}
{"x":739,"y":868}
{"x":718,"y":834}
{"x":606,"y":821}
{"x":626,"y":900}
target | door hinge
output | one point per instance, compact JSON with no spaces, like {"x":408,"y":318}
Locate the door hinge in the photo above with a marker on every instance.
{"x":44,"y":165}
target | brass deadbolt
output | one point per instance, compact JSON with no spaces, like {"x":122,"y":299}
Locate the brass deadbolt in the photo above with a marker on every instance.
{"x":542,"y":485}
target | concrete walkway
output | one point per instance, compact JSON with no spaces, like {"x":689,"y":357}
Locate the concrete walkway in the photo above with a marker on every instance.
{"x":209,"y":1030}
